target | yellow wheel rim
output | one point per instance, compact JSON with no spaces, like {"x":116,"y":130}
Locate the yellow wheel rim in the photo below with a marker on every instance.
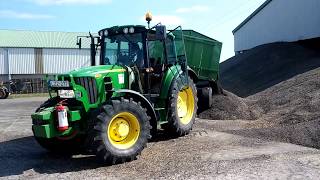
{"x":185,"y":105}
{"x":123,"y":130}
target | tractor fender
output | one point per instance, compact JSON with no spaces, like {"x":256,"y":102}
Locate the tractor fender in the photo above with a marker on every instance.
{"x":168,"y":77}
{"x":193,"y":75}
{"x":143,"y":100}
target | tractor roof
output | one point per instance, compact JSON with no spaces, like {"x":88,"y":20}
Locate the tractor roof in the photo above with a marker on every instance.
{"x":119,"y":29}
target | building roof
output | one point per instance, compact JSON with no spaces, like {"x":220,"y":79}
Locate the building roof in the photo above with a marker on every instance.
{"x":251,"y":15}
{"x":41,"y":39}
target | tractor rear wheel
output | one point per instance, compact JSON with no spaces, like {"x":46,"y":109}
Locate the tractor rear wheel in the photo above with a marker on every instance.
{"x":182,"y":107}
{"x":120,"y":132}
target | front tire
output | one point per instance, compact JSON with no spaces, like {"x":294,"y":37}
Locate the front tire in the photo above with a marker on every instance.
{"x":120,"y":132}
{"x":182,"y":107}
{"x":74,"y":144}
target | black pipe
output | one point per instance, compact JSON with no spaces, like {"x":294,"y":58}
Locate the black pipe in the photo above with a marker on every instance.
{"x":93,"y":52}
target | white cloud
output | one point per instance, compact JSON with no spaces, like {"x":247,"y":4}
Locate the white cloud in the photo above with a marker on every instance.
{"x":65,"y":2}
{"x":22,"y":15}
{"x":196,"y":8}
{"x":166,"y":20}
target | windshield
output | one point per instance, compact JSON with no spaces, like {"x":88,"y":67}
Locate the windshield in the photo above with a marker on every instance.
{"x":124,"y":49}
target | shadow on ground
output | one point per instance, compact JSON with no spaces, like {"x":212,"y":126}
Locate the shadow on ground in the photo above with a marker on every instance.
{"x":23,"y":154}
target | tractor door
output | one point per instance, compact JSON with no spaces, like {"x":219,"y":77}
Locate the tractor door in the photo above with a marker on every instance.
{"x":176,"y":52}
{"x":166,"y":54}
{"x":157,"y":59}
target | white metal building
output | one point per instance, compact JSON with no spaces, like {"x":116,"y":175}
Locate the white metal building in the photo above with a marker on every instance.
{"x":31,"y":54}
{"x":278,"y":21}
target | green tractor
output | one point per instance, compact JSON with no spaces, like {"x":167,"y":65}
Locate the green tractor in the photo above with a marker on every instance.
{"x":147,"y":79}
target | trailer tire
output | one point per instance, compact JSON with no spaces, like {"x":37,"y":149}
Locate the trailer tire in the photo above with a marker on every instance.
{"x":205,"y":98}
{"x":217,"y":88}
{"x":120,"y":132}
{"x":182,"y":108}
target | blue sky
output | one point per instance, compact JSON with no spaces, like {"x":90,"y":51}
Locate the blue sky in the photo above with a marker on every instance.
{"x":214,"y":18}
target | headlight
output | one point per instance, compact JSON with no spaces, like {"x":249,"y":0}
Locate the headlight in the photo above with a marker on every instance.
{"x":66,"y":93}
{"x":131,"y":30}
{"x":105,"y":32}
{"x":125,"y":30}
{"x":100,"y":33}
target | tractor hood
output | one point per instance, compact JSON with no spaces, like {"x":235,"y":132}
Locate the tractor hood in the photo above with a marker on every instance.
{"x":94,"y":70}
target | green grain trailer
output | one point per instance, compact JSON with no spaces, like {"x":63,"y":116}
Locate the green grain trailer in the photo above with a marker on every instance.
{"x":203,"y":54}
{"x":147,"y":79}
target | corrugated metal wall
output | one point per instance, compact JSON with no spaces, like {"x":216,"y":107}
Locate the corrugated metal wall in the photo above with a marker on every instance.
{"x":63,"y":60}
{"x":43,"y":61}
{"x":280,"y":20}
{"x":3,"y":63}
{"x":22,"y":60}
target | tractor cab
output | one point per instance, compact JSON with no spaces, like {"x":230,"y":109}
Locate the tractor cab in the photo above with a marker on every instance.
{"x":145,"y":53}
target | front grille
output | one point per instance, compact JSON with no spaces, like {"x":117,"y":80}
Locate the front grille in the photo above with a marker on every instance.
{"x":89,"y":83}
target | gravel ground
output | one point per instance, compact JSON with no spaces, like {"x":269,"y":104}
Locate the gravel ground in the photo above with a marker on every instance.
{"x":212,"y":151}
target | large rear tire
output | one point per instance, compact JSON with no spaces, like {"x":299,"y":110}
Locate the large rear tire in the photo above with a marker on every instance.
{"x":182,"y":107}
{"x":120,"y":132}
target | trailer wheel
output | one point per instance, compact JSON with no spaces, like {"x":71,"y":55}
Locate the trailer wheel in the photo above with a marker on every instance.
{"x":120,"y":132}
{"x":205,"y":98}
{"x":217,"y":88}
{"x":182,"y":108}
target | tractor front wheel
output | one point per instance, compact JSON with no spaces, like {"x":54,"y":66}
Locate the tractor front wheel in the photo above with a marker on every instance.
{"x":120,"y":132}
{"x":72,"y":144}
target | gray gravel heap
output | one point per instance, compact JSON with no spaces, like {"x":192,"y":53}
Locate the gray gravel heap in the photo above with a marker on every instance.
{"x":288,"y":111}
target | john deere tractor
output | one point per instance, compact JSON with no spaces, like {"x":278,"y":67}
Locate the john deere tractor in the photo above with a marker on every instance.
{"x":147,"y":79}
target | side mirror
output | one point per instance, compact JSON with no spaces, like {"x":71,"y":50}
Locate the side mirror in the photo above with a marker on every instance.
{"x":79,"y":43}
{"x":161,"y":32}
